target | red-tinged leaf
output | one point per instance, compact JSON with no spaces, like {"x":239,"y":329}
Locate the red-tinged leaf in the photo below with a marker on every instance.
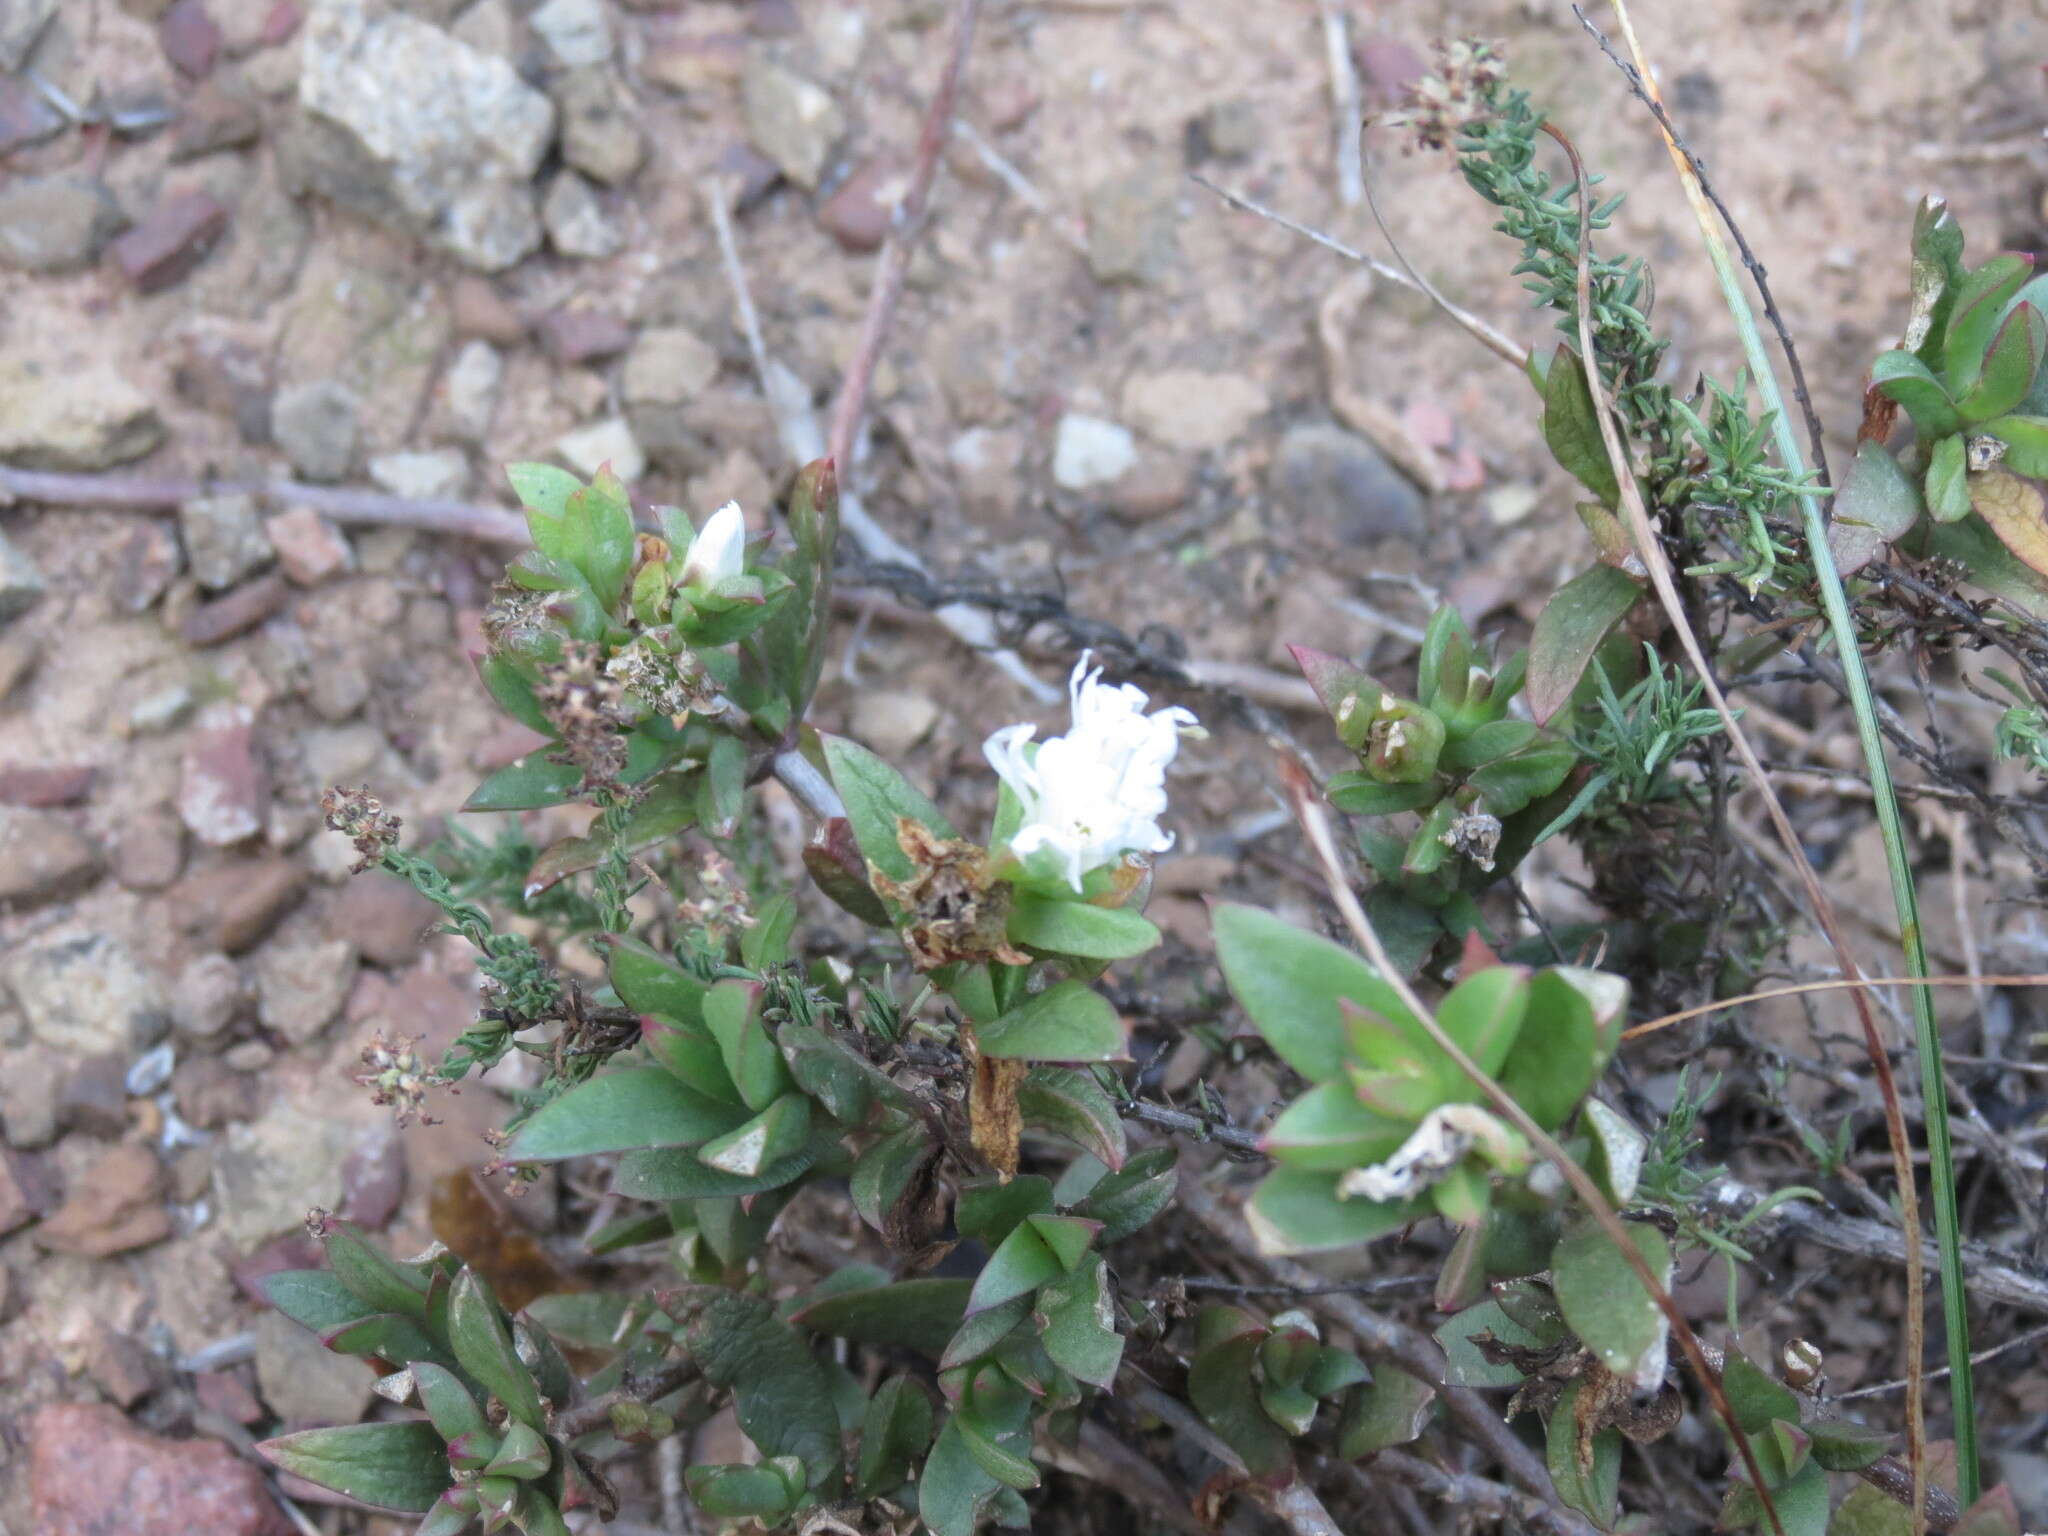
{"x":1071,"y":1104}
{"x":1569,"y":630}
{"x":562,"y":858}
{"x":832,"y":859}
{"x":1980,"y":301}
{"x":1333,"y":678}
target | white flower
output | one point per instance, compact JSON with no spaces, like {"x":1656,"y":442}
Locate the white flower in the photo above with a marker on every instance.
{"x":719,"y":550}
{"x":1097,"y":792}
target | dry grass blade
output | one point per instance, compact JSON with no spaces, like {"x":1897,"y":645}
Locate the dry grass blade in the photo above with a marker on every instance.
{"x":1309,"y":812}
{"x":1651,"y":549}
{"x":1837,"y":984}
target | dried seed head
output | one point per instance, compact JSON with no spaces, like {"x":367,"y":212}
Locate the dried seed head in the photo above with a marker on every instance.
{"x":360,"y":816}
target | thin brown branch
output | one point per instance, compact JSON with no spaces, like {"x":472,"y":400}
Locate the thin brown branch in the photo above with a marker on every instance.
{"x":596,"y":1413}
{"x":908,"y":226}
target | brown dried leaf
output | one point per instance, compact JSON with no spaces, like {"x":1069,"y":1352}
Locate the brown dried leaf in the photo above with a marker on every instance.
{"x":2016,"y":511}
{"x":994,"y":1122}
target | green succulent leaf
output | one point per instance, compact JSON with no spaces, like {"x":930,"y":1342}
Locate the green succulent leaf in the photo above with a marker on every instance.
{"x":1903,"y":377}
{"x":1128,"y":1198}
{"x":1948,"y":494}
{"x":1571,"y":426}
{"x":621,"y":1112}
{"x":483,"y":1347}
{"x":1328,"y":1130}
{"x":400,"y":1467}
{"x":1876,"y":504}
{"x":876,"y":795}
{"x":1565,"y":1042}
{"x":781,"y":1394}
{"x":651,"y":983}
{"x":1292,"y":982}
{"x":1077,"y":1324}
{"x":526,"y":785}
{"x":736,"y":1492}
{"x":777,"y":1134}
{"x":955,"y":1489}
{"x":2010,"y":365}
{"x":1604,"y":1300}
{"x":1840,"y":1446}
{"x":1594,"y":1491}
{"x":895,"y":1433}
{"x":1393,"y":1410}
{"x":1980,"y":303}
{"x":1224,"y":1392}
{"x":1065,"y":1022}
{"x":1021,"y":1265}
{"x":1079,"y":928}
{"x":1357,"y":793}
{"x":1579,"y":615}
{"x":1294,"y":1211}
{"x":1074,"y":1106}
{"x":921,"y":1314}
{"x":315,"y":1299}
{"x":732,"y":1012}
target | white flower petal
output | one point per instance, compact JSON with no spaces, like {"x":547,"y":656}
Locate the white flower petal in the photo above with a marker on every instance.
{"x":1097,"y":792}
{"x":719,"y":550}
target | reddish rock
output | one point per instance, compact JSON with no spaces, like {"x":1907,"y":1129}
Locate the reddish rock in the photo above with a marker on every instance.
{"x":478,"y":311}
{"x":150,"y":560}
{"x":92,"y":1473}
{"x":117,"y":1206}
{"x":190,"y":38}
{"x":149,"y":849}
{"x":237,"y":612}
{"x":584,"y":335}
{"x":224,"y":796}
{"x":227,"y":1394}
{"x":211,"y":121}
{"x":45,"y":787}
{"x":28,"y":1190}
{"x":385,"y":918}
{"x":231,"y":907}
{"x":859,"y":214}
{"x":120,"y":1367}
{"x":171,"y":241}
{"x":309,"y":548}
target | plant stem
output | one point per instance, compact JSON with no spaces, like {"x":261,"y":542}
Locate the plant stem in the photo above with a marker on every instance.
{"x":1841,"y":624}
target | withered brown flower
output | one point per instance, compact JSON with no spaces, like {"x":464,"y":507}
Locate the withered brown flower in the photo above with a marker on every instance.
{"x":954,"y":913}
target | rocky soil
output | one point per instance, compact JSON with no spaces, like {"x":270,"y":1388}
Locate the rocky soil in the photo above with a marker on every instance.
{"x":392,"y":246}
